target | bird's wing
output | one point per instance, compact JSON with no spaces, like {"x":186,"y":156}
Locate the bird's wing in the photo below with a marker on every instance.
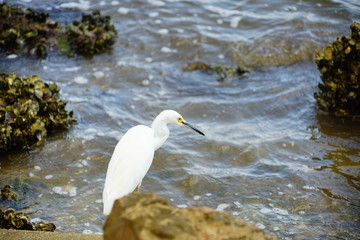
{"x":129,"y":164}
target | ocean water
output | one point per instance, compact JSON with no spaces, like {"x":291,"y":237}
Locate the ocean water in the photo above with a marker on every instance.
{"x":269,"y":157}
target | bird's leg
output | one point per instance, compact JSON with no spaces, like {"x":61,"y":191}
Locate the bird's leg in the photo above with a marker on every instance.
{"x":138,"y":187}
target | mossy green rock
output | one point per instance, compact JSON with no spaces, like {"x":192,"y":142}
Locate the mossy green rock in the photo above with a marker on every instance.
{"x":339,"y":64}
{"x":29,"y":109}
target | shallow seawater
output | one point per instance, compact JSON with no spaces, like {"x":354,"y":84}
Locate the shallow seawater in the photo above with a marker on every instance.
{"x":269,"y":157}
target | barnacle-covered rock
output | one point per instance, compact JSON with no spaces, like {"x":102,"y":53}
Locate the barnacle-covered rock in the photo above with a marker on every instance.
{"x":9,"y":219}
{"x":29,"y":108}
{"x":224,"y":72}
{"x":339,"y":64}
{"x":25,"y":30}
{"x":94,"y":34}
{"x":42,"y":226}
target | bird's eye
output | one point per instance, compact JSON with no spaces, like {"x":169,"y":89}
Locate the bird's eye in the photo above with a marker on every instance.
{"x":180,"y":119}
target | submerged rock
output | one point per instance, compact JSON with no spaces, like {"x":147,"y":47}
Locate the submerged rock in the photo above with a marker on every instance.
{"x":13,"y":194}
{"x":339,"y":64}
{"x":8,"y":194}
{"x":146,"y":216}
{"x":26,"y":30}
{"x":197,"y":66}
{"x":29,"y":109}
{"x":224,"y":72}
{"x":10,"y":198}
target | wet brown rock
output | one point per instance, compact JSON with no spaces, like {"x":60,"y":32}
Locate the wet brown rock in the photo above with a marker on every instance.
{"x":146,"y":216}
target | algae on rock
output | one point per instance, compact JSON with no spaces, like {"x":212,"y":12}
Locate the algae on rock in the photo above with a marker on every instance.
{"x":29,"y":109}
{"x":339,"y":64}
{"x":224,"y":72}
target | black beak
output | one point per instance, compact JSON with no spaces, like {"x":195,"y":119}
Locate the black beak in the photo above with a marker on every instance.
{"x":188,"y":125}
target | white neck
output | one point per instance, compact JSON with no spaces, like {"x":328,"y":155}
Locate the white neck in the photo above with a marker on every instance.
{"x":161,"y":131}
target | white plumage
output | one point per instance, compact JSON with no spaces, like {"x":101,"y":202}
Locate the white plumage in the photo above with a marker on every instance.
{"x":133,"y":156}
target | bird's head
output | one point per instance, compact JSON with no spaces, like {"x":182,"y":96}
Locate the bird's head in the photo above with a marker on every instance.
{"x":175,"y":118}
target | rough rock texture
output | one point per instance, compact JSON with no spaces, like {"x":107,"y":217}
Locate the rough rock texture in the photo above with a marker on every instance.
{"x":146,"y":216}
{"x":339,"y":64}
{"x":29,"y":109}
{"x":29,"y":31}
{"x":9,"y":219}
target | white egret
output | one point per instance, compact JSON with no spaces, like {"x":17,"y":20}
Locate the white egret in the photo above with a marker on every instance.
{"x":134,"y":154}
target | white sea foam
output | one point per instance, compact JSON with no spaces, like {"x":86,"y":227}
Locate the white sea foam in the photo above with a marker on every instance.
{"x":12,"y":56}
{"x":123,"y":10}
{"x":181,"y":206}
{"x":260,"y":225}
{"x":73,"y":192}
{"x":234,"y":22}
{"x":145,"y":82}
{"x":81,"y":80}
{"x":221,"y":207}
{"x":156,"y":3}
{"x":196,"y":197}
{"x":168,"y":50}
{"x":153,"y":14}
{"x":307,"y":187}
{"x":71,"y":69}
{"x":98,"y":75}
{"x":115,"y":3}
{"x":163,"y":31}
{"x":82,"y":4}
{"x":222,"y":11}
{"x":281,"y":211}
{"x":265,"y":210}
{"x":59,"y":190}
